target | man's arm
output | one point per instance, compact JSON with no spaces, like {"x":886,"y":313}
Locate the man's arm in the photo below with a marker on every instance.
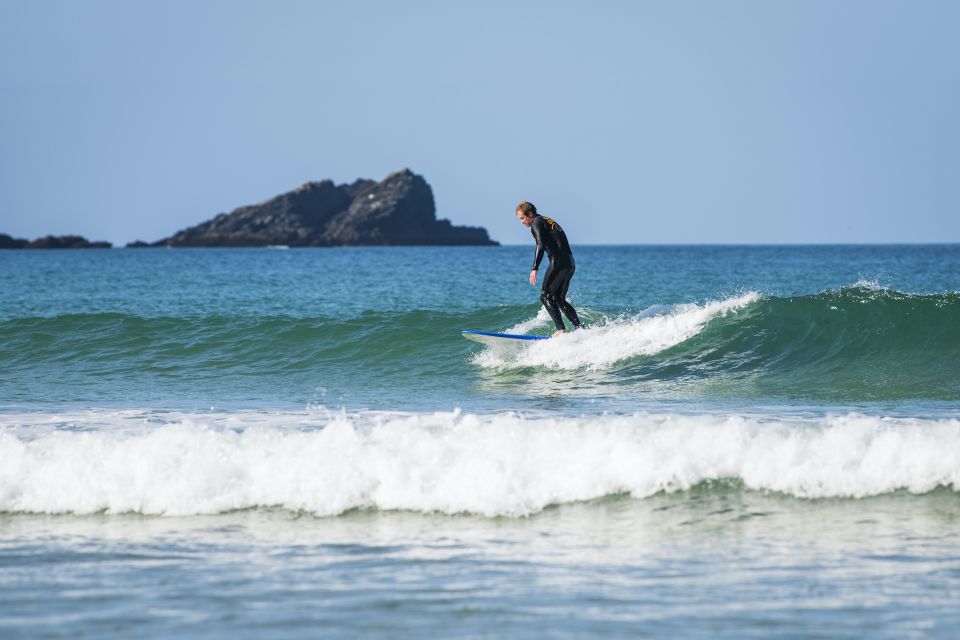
{"x":536,"y":228}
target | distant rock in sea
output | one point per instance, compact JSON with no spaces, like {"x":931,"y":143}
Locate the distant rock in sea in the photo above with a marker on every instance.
{"x":399,"y":210}
{"x":9,"y":242}
{"x":51,"y":242}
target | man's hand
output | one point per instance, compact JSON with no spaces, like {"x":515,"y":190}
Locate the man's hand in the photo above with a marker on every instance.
{"x":533,"y":278}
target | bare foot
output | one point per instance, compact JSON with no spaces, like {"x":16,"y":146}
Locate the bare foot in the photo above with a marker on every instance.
{"x":558,"y":332}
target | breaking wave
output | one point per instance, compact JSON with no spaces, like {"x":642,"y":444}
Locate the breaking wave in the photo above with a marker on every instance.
{"x":860,"y":342}
{"x":500,"y":464}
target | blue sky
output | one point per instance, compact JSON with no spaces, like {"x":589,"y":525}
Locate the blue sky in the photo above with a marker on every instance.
{"x":630,"y":122}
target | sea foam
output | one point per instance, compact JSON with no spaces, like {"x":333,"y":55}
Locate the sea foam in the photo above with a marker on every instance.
{"x":489,"y":464}
{"x":603,"y":345}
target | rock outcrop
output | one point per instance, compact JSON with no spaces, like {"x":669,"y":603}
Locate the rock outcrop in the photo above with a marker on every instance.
{"x":399,"y":210}
{"x":67,"y":242}
{"x":9,"y":242}
{"x":51,"y":242}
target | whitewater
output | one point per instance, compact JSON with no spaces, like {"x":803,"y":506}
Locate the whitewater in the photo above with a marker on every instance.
{"x":490,"y":465}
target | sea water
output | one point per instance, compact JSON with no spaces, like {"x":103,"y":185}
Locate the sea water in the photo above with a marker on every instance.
{"x":232,"y":443}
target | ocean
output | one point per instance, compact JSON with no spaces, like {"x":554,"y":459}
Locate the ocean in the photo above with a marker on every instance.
{"x":744,"y":441}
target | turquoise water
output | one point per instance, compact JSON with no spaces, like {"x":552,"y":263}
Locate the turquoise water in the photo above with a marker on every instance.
{"x":379,"y":328}
{"x":744,"y":441}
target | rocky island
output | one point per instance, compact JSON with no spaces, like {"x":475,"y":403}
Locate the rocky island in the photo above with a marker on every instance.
{"x":399,"y":210}
{"x":51,"y":242}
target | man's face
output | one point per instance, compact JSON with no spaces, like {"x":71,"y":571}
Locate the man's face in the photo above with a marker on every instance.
{"x":524,"y":219}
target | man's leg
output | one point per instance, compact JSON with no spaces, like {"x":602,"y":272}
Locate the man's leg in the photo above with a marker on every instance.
{"x":553,"y":309}
{"x":548,"y":296}
{"x":565,"y":306}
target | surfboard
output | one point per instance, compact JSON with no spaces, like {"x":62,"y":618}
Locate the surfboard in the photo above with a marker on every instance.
{"x":491,"y":337}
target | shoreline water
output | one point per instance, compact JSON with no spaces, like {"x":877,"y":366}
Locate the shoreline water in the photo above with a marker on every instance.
{"x":722,"y":565}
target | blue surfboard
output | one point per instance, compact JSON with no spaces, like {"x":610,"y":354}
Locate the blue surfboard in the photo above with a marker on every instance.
{"x":491,"y":337}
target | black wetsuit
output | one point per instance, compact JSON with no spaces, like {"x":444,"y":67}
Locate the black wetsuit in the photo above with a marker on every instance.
{"x":551,"y":238}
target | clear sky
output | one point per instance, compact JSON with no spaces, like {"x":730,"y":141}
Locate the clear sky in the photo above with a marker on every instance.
{"x":630,"y":122}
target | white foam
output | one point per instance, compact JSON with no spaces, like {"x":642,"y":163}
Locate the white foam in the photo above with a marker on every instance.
{"x":601,"y":346}
{"x":494,"y":465}
{"x":871,"y":284}
{"x":540,"y":320}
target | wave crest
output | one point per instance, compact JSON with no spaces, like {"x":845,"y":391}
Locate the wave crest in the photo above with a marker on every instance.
{"x":492,"y":465}
{"x":603,"y":345}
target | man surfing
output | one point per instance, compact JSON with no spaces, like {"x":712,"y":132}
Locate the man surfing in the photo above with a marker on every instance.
{"x":551,"y":238}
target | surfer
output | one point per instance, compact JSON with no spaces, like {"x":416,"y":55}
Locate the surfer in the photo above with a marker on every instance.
{"x":551,"y":238}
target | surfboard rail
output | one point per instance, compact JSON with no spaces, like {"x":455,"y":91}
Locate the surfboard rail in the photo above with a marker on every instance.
{"x":492,"y":337}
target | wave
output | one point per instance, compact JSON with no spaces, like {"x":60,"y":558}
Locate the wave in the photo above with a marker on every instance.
{"x":613,"y":341}
{"x":861,"y":342}
{"x":858,"y":343}
{"x":487,"y":464}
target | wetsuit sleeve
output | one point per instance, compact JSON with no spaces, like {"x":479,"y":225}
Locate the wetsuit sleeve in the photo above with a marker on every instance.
{"x":537,"y":230}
